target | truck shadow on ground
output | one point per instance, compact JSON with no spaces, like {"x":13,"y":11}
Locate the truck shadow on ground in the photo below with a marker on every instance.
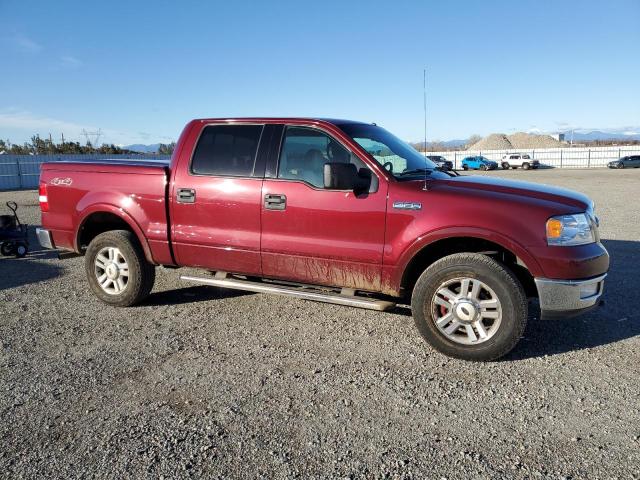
{"x":615,"y":321}
{"x":191,"y":295}
{"x":16,"y":272}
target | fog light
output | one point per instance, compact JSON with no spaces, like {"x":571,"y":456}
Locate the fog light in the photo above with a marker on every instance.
{"x":589,"y":290}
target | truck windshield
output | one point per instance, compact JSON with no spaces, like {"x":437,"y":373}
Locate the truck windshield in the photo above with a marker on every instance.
{"x":396,"y":156}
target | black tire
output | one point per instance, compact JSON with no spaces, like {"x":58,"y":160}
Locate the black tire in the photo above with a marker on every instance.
{"x":505,"y":166}
{"x":142,"y":274}
{"x":21,"y":250}
{"x":501,"y":280}
{"x":465,"y":167}
{"x":6,"y":248}
{"x":484,"y":167}
{"x":621,"y":165}
{"x":525,"y":166}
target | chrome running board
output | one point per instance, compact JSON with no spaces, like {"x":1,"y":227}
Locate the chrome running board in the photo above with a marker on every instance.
{"x":303,"y":291}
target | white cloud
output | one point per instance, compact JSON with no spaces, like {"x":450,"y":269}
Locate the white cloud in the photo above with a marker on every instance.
{"x":26,"y":44}
{"x":19,"y":125}
{"x":70,"y":61}
{"x":24,"y":120}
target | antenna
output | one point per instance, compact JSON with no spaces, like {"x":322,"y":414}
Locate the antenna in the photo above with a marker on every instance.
{"x":424,"y":99}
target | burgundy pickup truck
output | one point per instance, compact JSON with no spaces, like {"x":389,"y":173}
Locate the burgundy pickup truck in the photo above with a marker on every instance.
{"x":334,"y":211}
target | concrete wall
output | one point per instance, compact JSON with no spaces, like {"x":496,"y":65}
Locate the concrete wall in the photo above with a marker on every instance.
{"x":552,"y":157}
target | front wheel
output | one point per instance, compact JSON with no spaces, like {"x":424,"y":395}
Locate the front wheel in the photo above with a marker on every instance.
{"x":469,"y":306}
{"x":484,"y":167}
{"x":465,"y":167}
{"x":505,"y":166}
{"x":20,"y":249}
{"x":621,"y":165}
{"x":117,"y":269}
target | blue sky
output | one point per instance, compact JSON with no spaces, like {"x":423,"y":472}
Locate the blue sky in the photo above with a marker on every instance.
{"x":140,"y":70}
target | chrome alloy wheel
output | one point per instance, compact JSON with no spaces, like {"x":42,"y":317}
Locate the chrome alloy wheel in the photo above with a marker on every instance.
{"x":111,"y":270}
{"x":466,"y":310}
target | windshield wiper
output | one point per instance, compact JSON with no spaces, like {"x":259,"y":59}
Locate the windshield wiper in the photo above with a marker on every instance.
{"x":413,"y":171}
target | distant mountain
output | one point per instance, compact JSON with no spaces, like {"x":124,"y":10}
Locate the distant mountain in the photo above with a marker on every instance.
{"x":588,"y":136}
{"x":448,"y":143}
{"x":138,"y":147}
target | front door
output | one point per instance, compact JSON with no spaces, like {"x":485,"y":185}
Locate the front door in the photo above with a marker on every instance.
{"x":216,"y":200}
{"x":314,"y":235}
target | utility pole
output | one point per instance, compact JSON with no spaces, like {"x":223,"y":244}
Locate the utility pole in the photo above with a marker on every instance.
{"x":95,"y":135}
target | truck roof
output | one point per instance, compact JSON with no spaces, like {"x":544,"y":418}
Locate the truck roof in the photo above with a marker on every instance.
{"x":334,"y":121}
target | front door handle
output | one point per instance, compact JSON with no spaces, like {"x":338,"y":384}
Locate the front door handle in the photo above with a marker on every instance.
{"x":186,"y":195}
{"x":275,"y":201}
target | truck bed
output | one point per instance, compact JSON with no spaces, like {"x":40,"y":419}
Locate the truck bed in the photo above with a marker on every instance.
{"x":133,"y":190}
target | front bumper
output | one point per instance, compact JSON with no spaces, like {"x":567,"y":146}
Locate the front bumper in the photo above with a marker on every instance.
{"x":44,"y":238}
{"x":565,"y":298}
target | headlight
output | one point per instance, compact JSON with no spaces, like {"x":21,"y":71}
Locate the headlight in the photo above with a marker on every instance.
{"x":568,"y":230}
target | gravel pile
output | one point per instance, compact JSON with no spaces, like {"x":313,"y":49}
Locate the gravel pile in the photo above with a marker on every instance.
{"x":209,"y":383}
{"x":500,"y":141}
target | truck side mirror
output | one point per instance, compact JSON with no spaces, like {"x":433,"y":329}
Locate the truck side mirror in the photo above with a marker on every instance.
{"x":345,"y":176}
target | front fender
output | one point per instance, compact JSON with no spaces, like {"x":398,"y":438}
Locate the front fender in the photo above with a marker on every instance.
{"x":393,"y":274}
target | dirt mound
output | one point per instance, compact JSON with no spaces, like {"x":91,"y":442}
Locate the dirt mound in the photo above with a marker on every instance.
{"x":527,"y":140}
{"x":495,"y":141}
{"x":500,"y":141}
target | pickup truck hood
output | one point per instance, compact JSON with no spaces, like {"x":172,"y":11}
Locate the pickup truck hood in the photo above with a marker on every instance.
{"x":523,"y":189}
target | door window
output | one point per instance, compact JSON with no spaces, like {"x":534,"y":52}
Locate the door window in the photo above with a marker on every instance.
{"x":304,"y":153}
{"x":226,"y":150}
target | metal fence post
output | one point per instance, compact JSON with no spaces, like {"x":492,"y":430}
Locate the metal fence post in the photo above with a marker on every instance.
{"x":589,"y":159}
{"x":560,"y":158}
{"x":19,"y":174}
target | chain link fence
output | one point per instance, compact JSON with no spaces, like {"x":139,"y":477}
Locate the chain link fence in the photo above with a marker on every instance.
{"x":23,"y":171}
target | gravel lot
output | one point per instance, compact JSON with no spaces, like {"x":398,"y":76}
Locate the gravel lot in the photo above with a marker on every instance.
{"x":207,"y":382}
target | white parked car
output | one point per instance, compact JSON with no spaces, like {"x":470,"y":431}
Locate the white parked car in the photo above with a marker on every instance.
{"x":515,"y":160}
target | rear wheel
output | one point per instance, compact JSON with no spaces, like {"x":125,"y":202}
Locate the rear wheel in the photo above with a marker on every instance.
{"x":465,"y":167}
{"x":525,"y":165}
{"x":469,"y":306}
{"x":6,"y":249}
{"x":117,"y":269}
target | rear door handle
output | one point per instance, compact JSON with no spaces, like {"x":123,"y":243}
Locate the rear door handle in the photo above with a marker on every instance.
{"x":275,"y":201}
{"x":186,"y":195}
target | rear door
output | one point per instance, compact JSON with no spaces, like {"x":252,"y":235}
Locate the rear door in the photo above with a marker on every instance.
{"x":314,"y":235}
{"x":216,"y":198}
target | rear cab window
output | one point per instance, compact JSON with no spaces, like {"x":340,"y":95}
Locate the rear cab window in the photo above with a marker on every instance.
{"x":226,"y":150}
